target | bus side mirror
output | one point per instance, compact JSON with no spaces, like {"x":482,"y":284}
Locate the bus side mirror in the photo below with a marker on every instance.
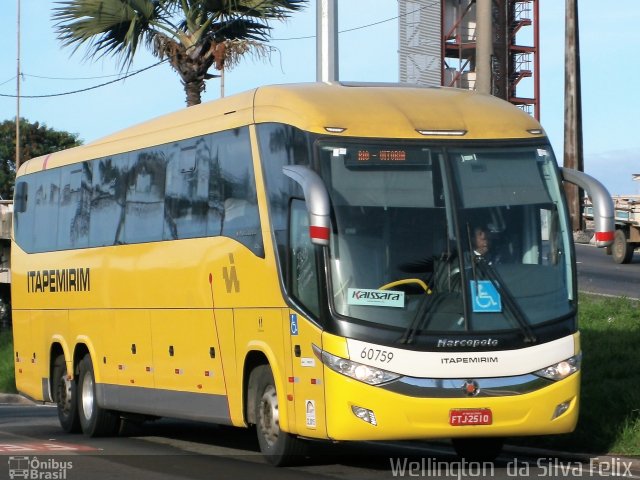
{"x":317,"y":200}
{"x":603,"y":211}
{"x":20,"y":197}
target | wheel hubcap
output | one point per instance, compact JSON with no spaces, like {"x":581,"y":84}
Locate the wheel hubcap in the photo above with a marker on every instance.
{"x":87,"y":396}
{"x":269,"y":415}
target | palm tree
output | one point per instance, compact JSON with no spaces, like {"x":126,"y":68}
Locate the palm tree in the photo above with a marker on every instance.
{"x":193,"y":35}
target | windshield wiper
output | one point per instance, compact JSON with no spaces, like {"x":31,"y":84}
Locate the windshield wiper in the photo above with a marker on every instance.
{"x":494,"y":277}
{"x":422,"y":318}
{"x":410,"y":332}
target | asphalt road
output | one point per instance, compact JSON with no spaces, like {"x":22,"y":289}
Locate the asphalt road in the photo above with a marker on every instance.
{"x":30,"y":439}
{"x":598,"y":273}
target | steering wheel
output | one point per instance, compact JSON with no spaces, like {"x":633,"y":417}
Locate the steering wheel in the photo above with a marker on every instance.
{"x":407,"y":281}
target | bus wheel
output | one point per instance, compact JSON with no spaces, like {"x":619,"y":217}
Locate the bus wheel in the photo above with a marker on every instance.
{"x":64,"y":394}
{"x":280,"y":448}
{"x":621,"y":250}
{"x":94,"y":420}
{"x":478,"y":449}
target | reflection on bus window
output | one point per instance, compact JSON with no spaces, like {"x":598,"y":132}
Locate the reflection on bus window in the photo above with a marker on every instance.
{"x":204,"y":186}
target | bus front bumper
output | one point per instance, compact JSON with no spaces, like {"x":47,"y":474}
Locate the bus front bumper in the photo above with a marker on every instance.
{"x":400,"y":417}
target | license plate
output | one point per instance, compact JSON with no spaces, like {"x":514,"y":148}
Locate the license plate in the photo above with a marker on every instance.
{"x":470,"y":416}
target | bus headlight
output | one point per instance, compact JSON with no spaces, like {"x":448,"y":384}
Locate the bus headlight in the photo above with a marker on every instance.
{"x":358,"y":371}
{"x":561,"y":370}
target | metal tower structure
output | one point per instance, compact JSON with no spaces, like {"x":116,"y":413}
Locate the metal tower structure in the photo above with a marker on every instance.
{"x":438,"y":46}
{"x":420,"y":42}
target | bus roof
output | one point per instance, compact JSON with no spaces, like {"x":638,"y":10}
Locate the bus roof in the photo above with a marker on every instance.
{"x":362,"y":110}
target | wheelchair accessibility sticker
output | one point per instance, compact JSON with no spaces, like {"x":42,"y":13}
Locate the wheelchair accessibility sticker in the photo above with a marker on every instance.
{"x":293,"y":322}
{"x":484,"y":297}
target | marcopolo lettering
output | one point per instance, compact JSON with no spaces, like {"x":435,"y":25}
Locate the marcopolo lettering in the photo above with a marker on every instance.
{"x":59,"y":280}
{"x":470,"y":342}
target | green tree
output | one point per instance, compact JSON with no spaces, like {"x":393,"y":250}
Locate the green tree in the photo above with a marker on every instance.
{"x":193,"y":35}
{"x":36,"y":139}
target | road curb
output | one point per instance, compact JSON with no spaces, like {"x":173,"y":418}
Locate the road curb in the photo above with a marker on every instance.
{"x":14,"y":399}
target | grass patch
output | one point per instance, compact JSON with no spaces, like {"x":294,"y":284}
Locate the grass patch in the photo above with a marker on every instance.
{"x":7,"y":372}
{"x":609,"y":420}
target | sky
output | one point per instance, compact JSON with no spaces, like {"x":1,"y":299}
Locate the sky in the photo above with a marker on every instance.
{"x":608,"y":35}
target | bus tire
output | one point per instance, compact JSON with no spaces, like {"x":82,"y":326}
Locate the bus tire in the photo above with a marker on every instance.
{"x":279,"y":448}
{"x":480,"y":449}
{"x":64,"y":391}
{"x":94,"y":420}
{"x":622,"y":251}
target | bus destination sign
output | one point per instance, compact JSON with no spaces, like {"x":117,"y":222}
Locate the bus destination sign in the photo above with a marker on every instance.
{"x":373,"y":156}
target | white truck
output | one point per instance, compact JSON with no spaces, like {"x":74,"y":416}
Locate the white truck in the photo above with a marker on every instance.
{"x":627,"y":221}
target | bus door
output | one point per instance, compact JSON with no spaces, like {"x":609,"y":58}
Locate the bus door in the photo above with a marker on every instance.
{"x":307,"y":376}
{"x":308,"y":381}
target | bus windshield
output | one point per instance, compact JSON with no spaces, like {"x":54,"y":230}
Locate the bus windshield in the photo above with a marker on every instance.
{"x":433,"y":239}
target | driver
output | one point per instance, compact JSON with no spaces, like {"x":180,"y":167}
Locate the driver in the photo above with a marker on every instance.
{"x":482,"y":245}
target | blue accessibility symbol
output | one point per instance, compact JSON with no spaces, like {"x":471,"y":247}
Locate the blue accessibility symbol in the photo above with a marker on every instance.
{"x":485,"y":297}
{"x":293,"y":321}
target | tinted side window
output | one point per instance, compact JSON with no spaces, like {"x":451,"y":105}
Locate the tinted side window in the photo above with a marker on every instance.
{"x":23,"y":217}
{"x":302,"y":261}
{"x":73,"y":219}
{"x":144,"y":212}
{"x":187,"y":189}
{"x":108,"y":200}
{"x":234,"y":188}
{"x":46,"y":195}
{"x":197,"y":187}
{"x":281,"y":145}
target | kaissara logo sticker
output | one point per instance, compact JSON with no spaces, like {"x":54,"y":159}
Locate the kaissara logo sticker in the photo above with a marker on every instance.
{"x":376,"y":298}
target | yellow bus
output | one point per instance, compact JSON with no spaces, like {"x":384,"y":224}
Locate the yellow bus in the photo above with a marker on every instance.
{"x":302,"y":258}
